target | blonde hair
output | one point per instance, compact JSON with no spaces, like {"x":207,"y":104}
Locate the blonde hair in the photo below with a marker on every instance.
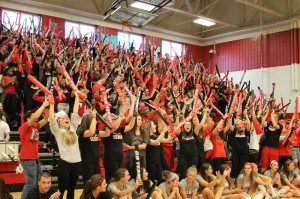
{"x":68,"y":136}
{"x":192,"y":168}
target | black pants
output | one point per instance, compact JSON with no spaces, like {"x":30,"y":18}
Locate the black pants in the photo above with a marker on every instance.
{"x":254,"y":157}
{"x":89,"y":169}
{"x":111,"y":166}
{"x":216,"y":162}
{"x":238,"y":161}
{"x":67,"y":174}
{"x":283,"y":159}
{"x":154,"y":171}
{"x":11,"y":106}
{"x":184,"y":163}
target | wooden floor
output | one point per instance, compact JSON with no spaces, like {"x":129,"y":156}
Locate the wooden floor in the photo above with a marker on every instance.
{"x":17,"y":195}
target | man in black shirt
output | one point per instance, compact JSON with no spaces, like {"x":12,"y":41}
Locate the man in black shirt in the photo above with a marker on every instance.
{"x":44,"y":190}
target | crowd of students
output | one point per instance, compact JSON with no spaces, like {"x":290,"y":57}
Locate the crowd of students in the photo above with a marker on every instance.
{"x":139,"y":104}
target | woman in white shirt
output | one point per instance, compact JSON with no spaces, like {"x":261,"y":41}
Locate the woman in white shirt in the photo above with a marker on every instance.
{"x":64,"y":130}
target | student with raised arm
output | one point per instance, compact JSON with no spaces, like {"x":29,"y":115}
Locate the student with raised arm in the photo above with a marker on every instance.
{"x":153,"y":150}
{"x":136,"y":139}
{"x":29,"y":154}
{"x":188,"y":140}
{"x":119,"y":185}
{"x":229,"y":192}
{"x":238,"y":140}
{"x":64,"y":129}
{"x":210,"y":186}
{"x":217,"y":136}
{"x":142,"y":191}
{"x":113,"y":144}
{"x":272,"y":132}
{"x":89,"y":144}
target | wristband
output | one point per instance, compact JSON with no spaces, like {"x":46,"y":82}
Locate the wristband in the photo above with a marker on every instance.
{"x":136,"y":147}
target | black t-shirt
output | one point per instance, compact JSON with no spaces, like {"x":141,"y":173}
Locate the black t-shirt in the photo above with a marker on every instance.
{"x":239,"y":142}
{"x":3,"y":56}
{"x":105,"y":195}
{"x":34,"y":193}
{"x":272,"y":135}
{"x":67,"y":92}
{"x":113,"y":148}
{"x":188,"y":144}
{"x":153,"y":152}
{"x":89,"y":147}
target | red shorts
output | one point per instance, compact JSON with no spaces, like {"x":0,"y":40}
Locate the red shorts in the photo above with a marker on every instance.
{"x":268,"y":154}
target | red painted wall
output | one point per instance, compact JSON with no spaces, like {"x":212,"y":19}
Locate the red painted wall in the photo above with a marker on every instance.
{"x":277,"y":49}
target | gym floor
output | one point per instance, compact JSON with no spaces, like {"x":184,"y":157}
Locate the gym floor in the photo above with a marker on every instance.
{"x":17,"y":195}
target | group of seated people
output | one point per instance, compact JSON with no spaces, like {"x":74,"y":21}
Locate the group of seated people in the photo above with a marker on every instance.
{"x":83,"y":92}
{"x":204,"y":184}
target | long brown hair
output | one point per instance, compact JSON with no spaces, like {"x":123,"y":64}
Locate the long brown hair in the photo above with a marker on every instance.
{"x":90,"y":185}
{"x":120,"y":173}
{"x":85,"y":123}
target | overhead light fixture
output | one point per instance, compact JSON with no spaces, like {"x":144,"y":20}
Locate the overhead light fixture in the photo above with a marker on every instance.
{"x":142,"y":6}
{"x":204,"y":22}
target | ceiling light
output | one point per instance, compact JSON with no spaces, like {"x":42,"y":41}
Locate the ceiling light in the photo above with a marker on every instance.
{"x":204,"y":22}
{"x":142,"y":6}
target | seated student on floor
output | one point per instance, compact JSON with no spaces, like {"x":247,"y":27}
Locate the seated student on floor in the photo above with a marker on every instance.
{"x":95,"y":188}
{"x":44,"y":188}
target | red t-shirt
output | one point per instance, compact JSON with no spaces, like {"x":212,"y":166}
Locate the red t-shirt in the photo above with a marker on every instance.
{"x":218,"y":146}
{"x":29,"y":137}
{"x":11,"y":88}
{"x":284,"y":151}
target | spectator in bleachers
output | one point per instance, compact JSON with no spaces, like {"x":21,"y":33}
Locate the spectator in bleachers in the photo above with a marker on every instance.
{"x":9,"y":96}
{"x":65,"y":89}
{"x":3,"y":51}
{"x":4,"y":129}
{"x":4,"y":115}
{"x":44,"y":188}
{"x":113,"y":144}
{"x":153,"y":150}
{"x":29,"y":155}
{"x":136,"y":139}
{"x":89,"y":139}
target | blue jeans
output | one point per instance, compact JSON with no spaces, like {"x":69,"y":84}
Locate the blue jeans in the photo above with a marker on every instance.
{"x":32,"y":170}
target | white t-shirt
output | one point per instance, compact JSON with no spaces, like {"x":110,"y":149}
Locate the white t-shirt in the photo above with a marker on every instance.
{"x":4,"y":128}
